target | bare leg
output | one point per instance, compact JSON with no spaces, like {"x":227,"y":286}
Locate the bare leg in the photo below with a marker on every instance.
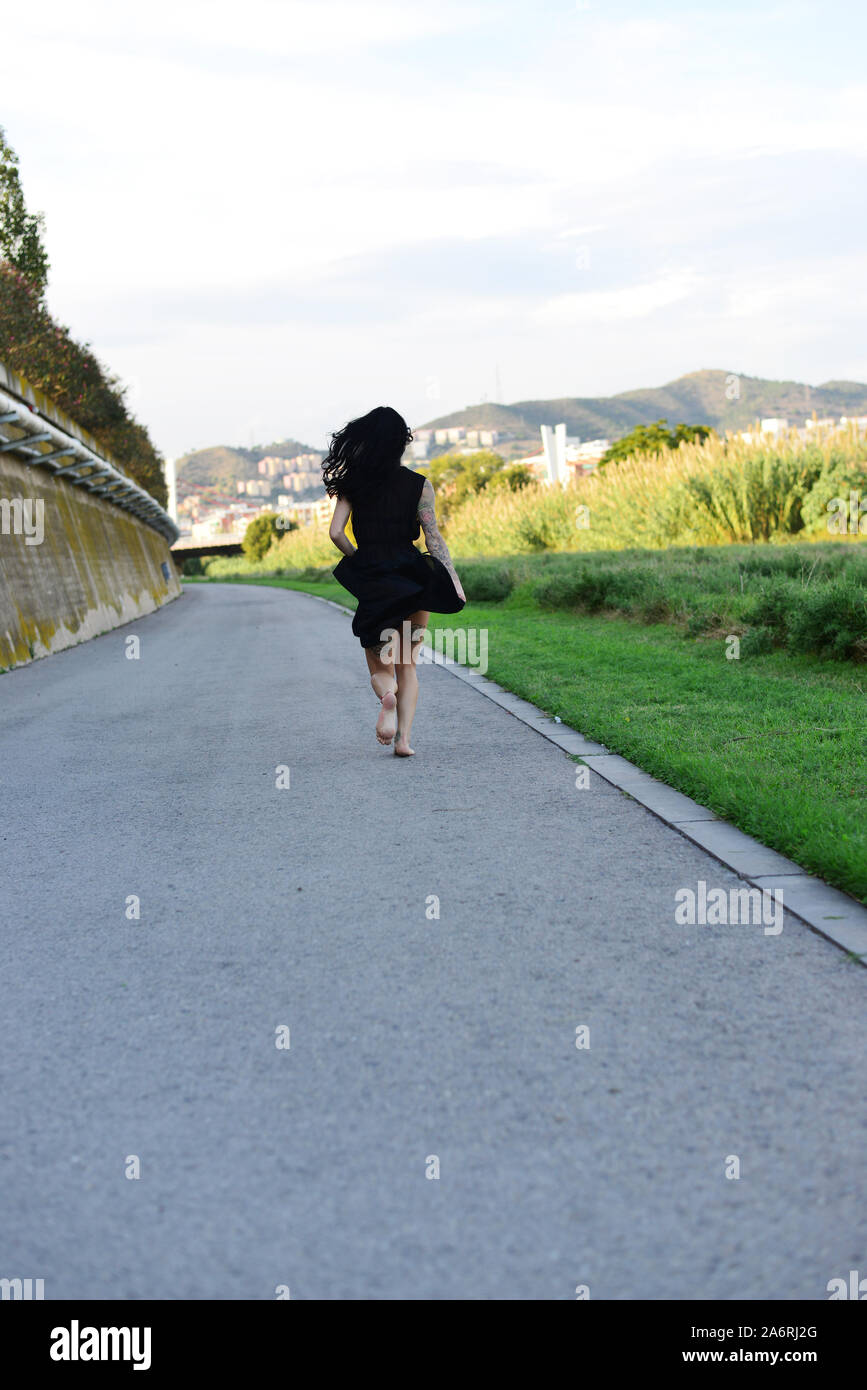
{"x":385,"y":686}
{"x":407,"y":683}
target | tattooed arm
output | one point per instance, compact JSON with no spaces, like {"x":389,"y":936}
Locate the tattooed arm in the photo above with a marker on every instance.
{"x":435,"y":543}
{"x":337,"y":529}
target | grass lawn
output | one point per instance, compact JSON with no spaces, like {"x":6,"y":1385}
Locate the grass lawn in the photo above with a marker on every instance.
{"x":773,"y":742}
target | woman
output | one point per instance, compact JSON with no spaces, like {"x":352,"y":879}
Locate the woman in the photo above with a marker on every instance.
{"x":397,"y":586}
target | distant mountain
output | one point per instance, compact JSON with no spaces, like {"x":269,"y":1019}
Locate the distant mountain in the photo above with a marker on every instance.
{"x":222,"y":466}
{"x":699,"y":398}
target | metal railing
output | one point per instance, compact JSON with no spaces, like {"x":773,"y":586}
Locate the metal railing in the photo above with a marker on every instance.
{"x":42,"y":444}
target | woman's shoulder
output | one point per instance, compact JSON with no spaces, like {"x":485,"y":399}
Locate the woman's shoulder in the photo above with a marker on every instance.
{"x":413,"y":478}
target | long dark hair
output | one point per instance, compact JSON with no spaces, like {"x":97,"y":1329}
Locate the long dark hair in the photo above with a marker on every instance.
{"x":365,"y":454}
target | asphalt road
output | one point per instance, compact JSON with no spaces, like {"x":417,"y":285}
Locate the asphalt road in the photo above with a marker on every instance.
{"x":410,"y":1037}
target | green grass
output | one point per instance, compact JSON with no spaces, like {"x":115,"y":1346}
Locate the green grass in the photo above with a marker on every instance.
{"x":773,"y":742}
{"x":809,"y":599}
{"x":745,"y":738}
{"x":805,"y":599}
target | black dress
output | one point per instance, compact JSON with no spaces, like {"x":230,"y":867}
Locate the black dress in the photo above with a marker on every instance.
{"x":387,"y":574}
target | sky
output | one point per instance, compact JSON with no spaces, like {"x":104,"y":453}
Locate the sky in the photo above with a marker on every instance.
{"x":269,"y":217}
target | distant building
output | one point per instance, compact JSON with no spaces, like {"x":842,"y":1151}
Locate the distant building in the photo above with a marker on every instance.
{"x":302,"y":463}
{"x":452,"y":434}
{"x":311,"y":513}
{"x":463,"y":441}
{"x":570,"y":457}
{"x":583,"y":458}
{"x":537,"y":464}
{"x":807,"y":431}
{"x":301,"y":482}
{"x":215,"y":524}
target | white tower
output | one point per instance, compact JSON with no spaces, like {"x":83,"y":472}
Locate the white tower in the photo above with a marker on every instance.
{"x":172,"y":485}
{"x":554,"y":446}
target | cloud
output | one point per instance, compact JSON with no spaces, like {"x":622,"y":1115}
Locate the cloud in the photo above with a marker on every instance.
{"x":291,"y":28}
{"x":433,"y":188}
{"x":627,"y":302}
{"x":800,"y":293}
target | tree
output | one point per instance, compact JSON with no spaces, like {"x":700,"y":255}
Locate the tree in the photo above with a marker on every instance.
{"x":652,"y":439}
{"x":20,"y":230}
{"x":455,"y":477}
{"x":260,"y":534}
{"x":510,"y":479}
{"x":43,"y":352}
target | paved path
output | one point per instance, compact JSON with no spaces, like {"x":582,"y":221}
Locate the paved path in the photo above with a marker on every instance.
{"x":409,"y":1037}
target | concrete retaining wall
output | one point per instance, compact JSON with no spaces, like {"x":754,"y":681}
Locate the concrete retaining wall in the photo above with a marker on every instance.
{"x":95,"y":566}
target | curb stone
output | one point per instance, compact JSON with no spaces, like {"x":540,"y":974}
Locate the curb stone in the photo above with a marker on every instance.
{"x":825,"y":910}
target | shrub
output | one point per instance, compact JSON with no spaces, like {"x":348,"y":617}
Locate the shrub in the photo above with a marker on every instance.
{"x":261,"y":532}
{"x":773,"y":606}
{"x":831,"y":621}
{"x":710,"y":493}
{"x":822,"y":511}
{"x":507,"y":522}
{"x":773,"y":563}
{"x":594,"y":586}
{"x":312,"y":574}
{"x":512,"y":478}
{"x":756,"y":641}
{"x":308,"y":545}
{"x":653,"y":438}
{"x":44,"y":353}
{"x":487,"y":583}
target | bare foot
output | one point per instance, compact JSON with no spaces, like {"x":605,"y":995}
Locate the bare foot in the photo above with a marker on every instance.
{"x":386,"y":724}
{"x":402,"y":748}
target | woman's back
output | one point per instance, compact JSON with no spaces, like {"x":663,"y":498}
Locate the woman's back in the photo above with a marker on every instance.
{"x":397,"y":585}
{"x":389,"y":517}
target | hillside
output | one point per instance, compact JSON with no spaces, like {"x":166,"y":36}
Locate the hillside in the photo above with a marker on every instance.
{"x":697,"y":398}
{"x":222,"y":466}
